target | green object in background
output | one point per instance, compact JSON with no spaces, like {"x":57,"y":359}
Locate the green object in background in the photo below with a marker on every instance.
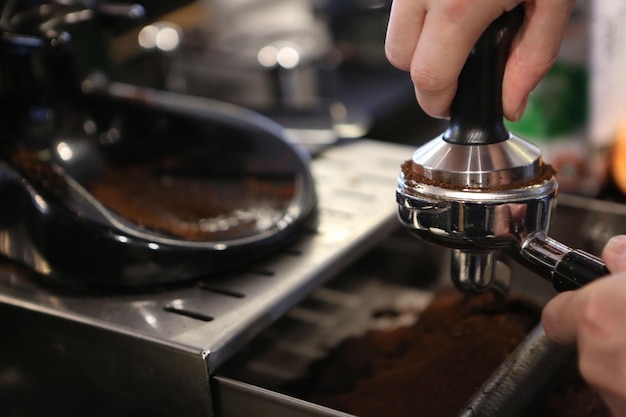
{"x":557,"y":106}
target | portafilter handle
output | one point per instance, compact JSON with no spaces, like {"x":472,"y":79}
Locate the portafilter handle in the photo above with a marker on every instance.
{"x":567,"y":268}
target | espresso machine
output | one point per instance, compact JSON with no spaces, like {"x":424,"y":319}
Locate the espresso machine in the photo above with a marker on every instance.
{"x":107,"y":312}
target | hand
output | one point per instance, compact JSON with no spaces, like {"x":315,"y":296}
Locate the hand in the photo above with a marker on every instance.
{"x":433,"y":38}
{"x":594,"y":319}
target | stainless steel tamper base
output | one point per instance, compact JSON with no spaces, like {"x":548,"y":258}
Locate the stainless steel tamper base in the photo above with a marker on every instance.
{"x":487,"y":166}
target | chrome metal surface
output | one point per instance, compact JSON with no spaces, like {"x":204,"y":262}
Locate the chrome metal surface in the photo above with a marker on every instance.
{"x":252,"y":400}
{"x":473,"y":271}
{"x":354,"y":206}
{"x":471,"y":219}
{"x":477,"y":153}
{"x":307,"y":332}
{"x":545,"y":251}
{"x":162,"y":372}
{"x":387,"y":288}
{"x":477,"y":222}
{"x":479,"y":199}
{"x":478,"y":166}
{"x":433,"y":193}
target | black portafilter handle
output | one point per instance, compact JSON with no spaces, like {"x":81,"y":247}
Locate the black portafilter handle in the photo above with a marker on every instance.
{"x":576,"y":269}
{"x":476,"y":116}
{"x":567,"y":268}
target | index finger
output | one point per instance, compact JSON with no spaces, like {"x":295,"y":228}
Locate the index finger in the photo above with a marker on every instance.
{"x":450,"y":31}
{"x":406,"y":19}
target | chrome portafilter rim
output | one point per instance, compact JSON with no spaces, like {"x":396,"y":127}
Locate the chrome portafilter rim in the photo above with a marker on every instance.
{"x":476,"y":224}
{"x":473,"y":218}
{"x":486,"y":196}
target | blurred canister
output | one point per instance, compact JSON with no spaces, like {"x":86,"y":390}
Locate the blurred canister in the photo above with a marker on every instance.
{"x":576,"y":110}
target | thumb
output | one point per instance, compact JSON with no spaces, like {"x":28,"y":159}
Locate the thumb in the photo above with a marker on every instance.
{"x":614,"y":253}
{"x":559,"y":319}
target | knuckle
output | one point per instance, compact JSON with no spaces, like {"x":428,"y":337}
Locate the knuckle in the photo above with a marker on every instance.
{"x":543,"y":64}
{"x":456,"y":10}
{"x":428,"y":82}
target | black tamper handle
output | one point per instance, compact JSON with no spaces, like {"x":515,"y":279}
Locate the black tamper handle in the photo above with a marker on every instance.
{"x":476,"y":116}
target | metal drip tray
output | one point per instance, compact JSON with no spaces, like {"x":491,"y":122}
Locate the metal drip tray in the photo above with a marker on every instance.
{"x":162,"y":345}
{"x":224,"y":346}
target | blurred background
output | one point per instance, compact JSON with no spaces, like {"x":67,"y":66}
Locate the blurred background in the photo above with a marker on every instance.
{"x":318,"y":67}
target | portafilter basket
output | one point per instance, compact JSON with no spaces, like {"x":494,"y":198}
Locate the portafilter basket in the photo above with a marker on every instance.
{"x":480,"y":190}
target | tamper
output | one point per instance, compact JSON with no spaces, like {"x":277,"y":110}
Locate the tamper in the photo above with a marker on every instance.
{"x":480,"y":190}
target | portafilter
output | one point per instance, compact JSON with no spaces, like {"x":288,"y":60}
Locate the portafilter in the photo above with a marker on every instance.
{"x":481,"y":190}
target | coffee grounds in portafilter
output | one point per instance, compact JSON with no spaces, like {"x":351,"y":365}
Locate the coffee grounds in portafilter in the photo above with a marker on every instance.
{"x":414,"y":172}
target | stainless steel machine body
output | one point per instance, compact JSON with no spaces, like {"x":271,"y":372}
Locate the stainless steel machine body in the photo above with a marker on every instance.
{"x":168,"y":350}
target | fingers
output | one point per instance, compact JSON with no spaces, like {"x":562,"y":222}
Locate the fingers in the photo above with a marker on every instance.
{"x":592,"y":318}
{"x":403,"y":31}
{"x":558,"y":318}
{"x":433,"y":38}
{"x":534,"y":52}
{"x":601,"y":338}
{"x":590,"y":313}
{"x":565,"y":315}
{"x":447,"y":37}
